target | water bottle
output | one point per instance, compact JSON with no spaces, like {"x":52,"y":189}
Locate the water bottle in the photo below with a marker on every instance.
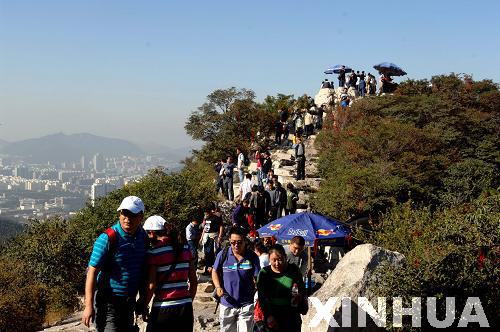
{"x":295,"y":296}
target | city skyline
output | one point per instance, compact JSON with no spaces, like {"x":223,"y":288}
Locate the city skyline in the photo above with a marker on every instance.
{"x":107,"y":67}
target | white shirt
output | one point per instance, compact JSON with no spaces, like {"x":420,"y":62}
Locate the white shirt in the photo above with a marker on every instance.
{"x":245,"y":187}
{"x":264,"y":260}
{"x":241,"y":159}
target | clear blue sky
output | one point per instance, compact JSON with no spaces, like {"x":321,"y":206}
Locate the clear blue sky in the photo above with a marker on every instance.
{"x":136,"y":69}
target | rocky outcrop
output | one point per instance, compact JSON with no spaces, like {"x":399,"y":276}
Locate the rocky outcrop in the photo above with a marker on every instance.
{"x":352,"y":278}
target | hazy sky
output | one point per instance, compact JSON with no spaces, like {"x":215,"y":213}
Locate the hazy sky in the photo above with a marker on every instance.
{"x":136,"y":69}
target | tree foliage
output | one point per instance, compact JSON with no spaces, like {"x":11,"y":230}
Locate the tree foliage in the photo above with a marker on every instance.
{"x":435,"y":146}
{"x":450,"y":252}
{"x":229,"y":119}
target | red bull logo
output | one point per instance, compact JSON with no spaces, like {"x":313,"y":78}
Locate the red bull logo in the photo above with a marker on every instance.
{"x":275,"y":227}
{"x":325,"y":232}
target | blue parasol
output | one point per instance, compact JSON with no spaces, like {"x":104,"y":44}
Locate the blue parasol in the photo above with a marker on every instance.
{"x":388,"y":68}
{"x":336,"y":69}
{"x":311,"y":226}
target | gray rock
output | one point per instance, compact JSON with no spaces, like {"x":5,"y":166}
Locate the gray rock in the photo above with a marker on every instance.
{"x":352,"y":278}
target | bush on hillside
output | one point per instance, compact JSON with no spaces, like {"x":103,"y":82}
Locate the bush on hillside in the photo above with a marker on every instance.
{"x":449,"y":253}
{"x":438,"y":148}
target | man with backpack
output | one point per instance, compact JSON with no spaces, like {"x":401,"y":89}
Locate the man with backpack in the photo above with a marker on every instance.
{"x":115,"y":270}
{"x":234,"y":275}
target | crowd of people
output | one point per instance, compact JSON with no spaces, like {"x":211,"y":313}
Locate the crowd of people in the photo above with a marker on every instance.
{"x":364,"y":84}
{"x":259,"y":284}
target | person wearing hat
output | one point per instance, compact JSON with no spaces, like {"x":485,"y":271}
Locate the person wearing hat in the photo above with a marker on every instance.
{"x":115,"y":269}
{"x":170,"y":265}
{"x":155,"y":228}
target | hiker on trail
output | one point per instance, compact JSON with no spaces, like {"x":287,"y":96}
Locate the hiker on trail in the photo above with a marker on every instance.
{"x":282,"y":295}
{"x":326,"y":84}
{"x":274,"y":196}
{"x":362,"y":85}
{"x":193,"y":234}
{"x":341,"y":77}
{"x":170,"y":266}
{"x":260,"y":203}
{"x":154,"y":227}
{"x":241,"y":164}
{"x":261,"y":251}
{"x":239,"y":216}
{"x":296,"y":254}
{"x":213,"y":229}
{"x":278,"y":131}
{"x":371,"y":84}
{"x":353,"y":79}
{"x":259,"y":158}
{"x":300,"y":159}
{"x":246,"y":186}
{"x":286,"y":133}
{"x":219,"y":179}
{"x":267,"y":165}
{"x":291,"y":199}
{"x":282,"y":199}
{"x":115,"y":270}
{"x":319,"y":117}
{"x":227,"y":173}
{"x":234,"y":276}
{"x":309,"y":123}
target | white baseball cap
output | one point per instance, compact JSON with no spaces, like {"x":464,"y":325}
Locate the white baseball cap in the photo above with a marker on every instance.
{"x":132,"y":203}
{"x":154,"y":223}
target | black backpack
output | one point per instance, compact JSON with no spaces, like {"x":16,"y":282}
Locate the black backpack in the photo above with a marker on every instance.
{"x":246,"y":160}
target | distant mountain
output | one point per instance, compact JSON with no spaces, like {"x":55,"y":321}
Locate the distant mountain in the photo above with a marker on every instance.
{"x":60,"y":147}
{"x":174,"y":154}
{"x":3,"y":143}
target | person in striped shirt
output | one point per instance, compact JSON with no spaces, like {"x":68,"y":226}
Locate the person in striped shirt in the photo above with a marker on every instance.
{"x":171,"y":279}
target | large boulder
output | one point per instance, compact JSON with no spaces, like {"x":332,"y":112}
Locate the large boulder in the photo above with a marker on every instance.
{"x":351,"y":278}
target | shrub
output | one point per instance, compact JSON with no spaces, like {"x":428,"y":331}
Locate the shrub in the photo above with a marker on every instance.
{"x":449,"y":253}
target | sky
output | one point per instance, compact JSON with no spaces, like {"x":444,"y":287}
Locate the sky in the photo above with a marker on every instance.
{"x":136,"y":69}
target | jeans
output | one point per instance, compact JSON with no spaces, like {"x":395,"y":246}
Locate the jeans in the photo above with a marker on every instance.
{"x":236,"y":319}
{"x":241,"y":174}
{"x":114,"y":313}
{"x":259,"y":176}
{"x":301,"y":168}
{"x":228,"y":187}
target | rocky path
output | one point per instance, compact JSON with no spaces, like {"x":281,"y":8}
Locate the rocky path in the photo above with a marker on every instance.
{"x":204,"y":305}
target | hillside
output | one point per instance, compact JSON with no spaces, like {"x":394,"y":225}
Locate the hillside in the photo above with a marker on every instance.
{"x":62,"y":147}
{"x":422,"y":164}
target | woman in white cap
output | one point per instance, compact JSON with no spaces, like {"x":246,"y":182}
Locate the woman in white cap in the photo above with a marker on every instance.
{"x":170,"y":267}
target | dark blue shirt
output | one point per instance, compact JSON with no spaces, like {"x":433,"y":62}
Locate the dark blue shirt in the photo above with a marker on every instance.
{"x":238,"y":278}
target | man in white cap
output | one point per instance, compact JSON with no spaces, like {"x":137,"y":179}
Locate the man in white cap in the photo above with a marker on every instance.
{"x":115,"y":270}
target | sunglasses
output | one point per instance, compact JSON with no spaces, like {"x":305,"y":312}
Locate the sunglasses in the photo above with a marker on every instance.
{"x":233,"y":243}
{"x":128,"y":214}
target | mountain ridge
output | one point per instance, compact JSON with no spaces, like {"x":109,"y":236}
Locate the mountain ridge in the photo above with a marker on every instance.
{"x":61,"y":147}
